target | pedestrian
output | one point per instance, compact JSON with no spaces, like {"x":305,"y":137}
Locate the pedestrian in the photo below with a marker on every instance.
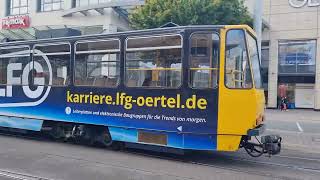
{"x":283,"y":97}
{"x":283,"y":104}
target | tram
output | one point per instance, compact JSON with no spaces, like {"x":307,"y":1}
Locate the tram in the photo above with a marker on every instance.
{"x":182,"y":88}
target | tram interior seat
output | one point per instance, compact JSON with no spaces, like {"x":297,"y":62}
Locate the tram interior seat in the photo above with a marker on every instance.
{"x":132,"y":83}
{"x":59,"y":81}
{"x":104,"y":81}
{"x":89,"y":81}
{"x":111,"y":82}
{"x":99,"y":81}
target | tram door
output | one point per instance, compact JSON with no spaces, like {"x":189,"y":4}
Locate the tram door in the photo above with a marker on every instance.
{"x":204,"y":71}
{"x":237,"y":98}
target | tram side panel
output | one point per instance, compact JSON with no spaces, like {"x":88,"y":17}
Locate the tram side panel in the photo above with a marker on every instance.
{"x":180,"y":119}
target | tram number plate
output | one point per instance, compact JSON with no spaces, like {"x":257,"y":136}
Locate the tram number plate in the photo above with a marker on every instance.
{"x":152,"y":138}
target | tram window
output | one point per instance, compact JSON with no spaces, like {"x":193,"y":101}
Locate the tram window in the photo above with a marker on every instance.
{"x":17,"y":58}
{"x":58,"y":55}
{"x":237,"y":68}
{"x":254,"y":57}
{"x":97,"y":63}
{"x":154,"y":61}
{"x":204,"y":60}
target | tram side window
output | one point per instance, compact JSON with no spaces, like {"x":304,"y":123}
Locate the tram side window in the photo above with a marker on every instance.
{"x":237,"y":68}
{"x":13,"y":60}
{"x":204,"y":60}
{"x":254,"y":57}
{"x":154,"y":61}
{"x":97,"y":63}
{"x":58,"y":55}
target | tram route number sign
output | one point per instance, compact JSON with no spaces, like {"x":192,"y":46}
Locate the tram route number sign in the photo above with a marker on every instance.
{"x":16,"y":22}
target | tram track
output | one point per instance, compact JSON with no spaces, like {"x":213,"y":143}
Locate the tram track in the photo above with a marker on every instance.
{"x":19,"y":176}
{"x":300,"y":158}
{"x":202,"y":162}
{"x":238,"y":160}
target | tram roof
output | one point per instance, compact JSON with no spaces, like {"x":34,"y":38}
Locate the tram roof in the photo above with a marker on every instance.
{"x":127,"y":33}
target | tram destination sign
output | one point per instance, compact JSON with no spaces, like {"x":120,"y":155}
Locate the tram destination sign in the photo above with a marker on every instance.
{"x":303,"y":3}
{"x":16,"y":22}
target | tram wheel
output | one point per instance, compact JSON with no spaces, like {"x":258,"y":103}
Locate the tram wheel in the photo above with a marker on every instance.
{"x":117,"y":146}
{"x":102,"y":137}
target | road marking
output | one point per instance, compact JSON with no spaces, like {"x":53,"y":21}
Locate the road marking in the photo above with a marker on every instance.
{"x":315,"y":139}
{"x":283,"y":131}
{"x":299,"y":127}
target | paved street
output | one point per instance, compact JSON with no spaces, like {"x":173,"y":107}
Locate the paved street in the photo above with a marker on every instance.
{"x":299,"y":128}
{"x":28,"y":159}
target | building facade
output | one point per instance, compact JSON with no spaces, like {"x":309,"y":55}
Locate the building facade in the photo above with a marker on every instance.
{"x":21,"y":19}
{"x":291,"y":51}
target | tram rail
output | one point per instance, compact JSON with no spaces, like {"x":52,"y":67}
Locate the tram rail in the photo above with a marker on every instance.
{"x":201,"y":162}
{"x":19,"y":176}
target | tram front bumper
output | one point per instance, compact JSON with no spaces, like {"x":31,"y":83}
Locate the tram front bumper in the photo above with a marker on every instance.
{"x":259,"y":130}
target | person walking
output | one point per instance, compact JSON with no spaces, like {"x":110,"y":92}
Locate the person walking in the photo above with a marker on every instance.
{"x":284,"y":104}
{"x":283,"y":97}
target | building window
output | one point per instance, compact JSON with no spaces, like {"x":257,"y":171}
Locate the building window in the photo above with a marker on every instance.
{"x":18,"y":7}
{"x":265,"y":66}
{"x":297,"y":57}
{"x":50,"y":5}
{"x":81,"y":3}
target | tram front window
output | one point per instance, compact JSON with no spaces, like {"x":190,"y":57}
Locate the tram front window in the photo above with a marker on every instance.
{"x":154,"y":61}
{"x":254,"y":56}
{"x":237,"y":68}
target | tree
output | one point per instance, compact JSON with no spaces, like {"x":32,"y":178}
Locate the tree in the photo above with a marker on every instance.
{"x":189,"y":12}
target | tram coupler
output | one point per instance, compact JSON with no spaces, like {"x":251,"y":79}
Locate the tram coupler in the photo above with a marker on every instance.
{"x":271,"y":144}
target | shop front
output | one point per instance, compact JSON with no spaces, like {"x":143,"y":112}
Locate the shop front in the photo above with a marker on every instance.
{"x":297,"y":72}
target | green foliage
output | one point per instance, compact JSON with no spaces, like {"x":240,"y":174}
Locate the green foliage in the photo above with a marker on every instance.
{"x":189,"y":12}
